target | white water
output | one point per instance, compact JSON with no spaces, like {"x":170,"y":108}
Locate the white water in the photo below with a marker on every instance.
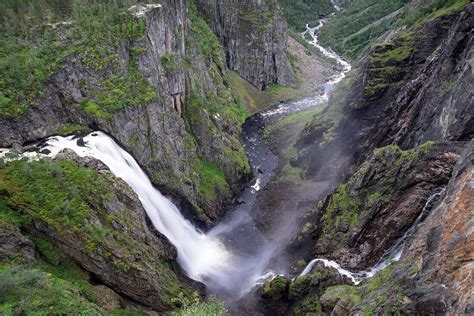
{"x":203,"y":257}
{"x":309,"y":102}
{"x":393,"y":255}
{"x":335,"y":5}
{"x":328,"y":52}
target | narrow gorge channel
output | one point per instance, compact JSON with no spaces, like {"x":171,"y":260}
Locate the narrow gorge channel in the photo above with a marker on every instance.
{"x":232,"y":257}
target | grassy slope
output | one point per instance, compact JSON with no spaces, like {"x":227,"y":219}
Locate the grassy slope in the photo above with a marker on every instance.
{"x":355,"y":28}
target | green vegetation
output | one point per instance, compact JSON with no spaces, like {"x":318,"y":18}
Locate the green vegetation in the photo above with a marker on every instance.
{"x":276,"y":288}
{"x":196,"y":307}
{"x":328,"y":120}
{"x":58,"y":193}
{"x":260,"y":20}
{"x":301,"y":12}
{"x":251,"y":98}
{"x":38,"y":35}
{"x":212,"y":179}
{"x":167,"y":60}
{"x":432,"y":9}
{"x":348,"y":293}
{"x":70,"y":129}
{"x":69,"y":200}
{"x":33,"y":291}
{"x":354,"y":28}
{"x":342,"y":207}
{"x":294,"y":122}
{"x":403,"y":155}
{"x":303,"y":117}
{"x":206,"y":41}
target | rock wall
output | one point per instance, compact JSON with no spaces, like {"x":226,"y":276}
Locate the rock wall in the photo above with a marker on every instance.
{"x":254,"y":36}
{"x":417,"y":80}
{"x":411,"y":88}
{"x":191,"y":124}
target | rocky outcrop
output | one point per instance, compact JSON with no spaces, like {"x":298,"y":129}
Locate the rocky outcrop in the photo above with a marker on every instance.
{"x":412,"y":88}
{"x":301,"y":295}
{"x":443,"y":249}
{"x":254,"y":36}
{"x":98,"y":223}
{"x":14,"y":245}
{"x":180,"y":117}
{"x":387,"y":193}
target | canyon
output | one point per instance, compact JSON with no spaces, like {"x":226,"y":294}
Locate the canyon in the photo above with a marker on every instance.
{"x":214,"y":157}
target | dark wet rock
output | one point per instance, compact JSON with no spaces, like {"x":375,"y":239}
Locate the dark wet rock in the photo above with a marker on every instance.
{"x":254,"y":36}
{"x":299,"y":296}
{"x":15,"y":246}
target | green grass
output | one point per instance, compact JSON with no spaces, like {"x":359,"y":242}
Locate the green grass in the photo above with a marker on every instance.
{"x":32,"y":49}
{"x":70,"y":129}
{"x":432,"y":9}
{"x":356,"y":27}
{"x":58,"y":193}
{"x":194,"y":306}
{"x":206,"y":41}
{"x":302,"y":117}
{"x":32,"y":291}
{"x":212,"y":179}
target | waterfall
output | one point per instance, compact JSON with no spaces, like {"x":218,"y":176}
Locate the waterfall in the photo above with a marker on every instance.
{"x":203,"y":257}
{"x":394,"y":254}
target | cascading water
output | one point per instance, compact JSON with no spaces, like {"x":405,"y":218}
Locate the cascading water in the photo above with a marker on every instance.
{"x":393,"y":255}
{"x":201,"y":256}
{"x":309,"y":102}
{"x":204,"y":257}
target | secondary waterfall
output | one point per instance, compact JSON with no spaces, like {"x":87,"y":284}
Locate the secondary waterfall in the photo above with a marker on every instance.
{"x":393,"y":255}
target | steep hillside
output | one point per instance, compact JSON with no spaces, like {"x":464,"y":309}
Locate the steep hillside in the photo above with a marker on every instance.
{"x":395,"y":142}
{"x":417,"y":80}
{"x":75,"y":239}
{"x":154,"y":77}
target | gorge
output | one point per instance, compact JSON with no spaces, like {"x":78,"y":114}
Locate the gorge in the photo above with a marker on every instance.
{"x":206,"y":158}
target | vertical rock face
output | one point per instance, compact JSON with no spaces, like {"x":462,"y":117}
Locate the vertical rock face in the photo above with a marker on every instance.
{"x":254,"y":36}
{"x":411,"y":89}
{"x":443,"y":248}
{"x":193,"y":107}
{"x":419,"y":81}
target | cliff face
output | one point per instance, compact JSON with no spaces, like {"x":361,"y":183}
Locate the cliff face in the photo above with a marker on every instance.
{"x":417,"y":80}
{"x":164,"y":95}
{"x":254,"y":36}
{"x":386,"y":194}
